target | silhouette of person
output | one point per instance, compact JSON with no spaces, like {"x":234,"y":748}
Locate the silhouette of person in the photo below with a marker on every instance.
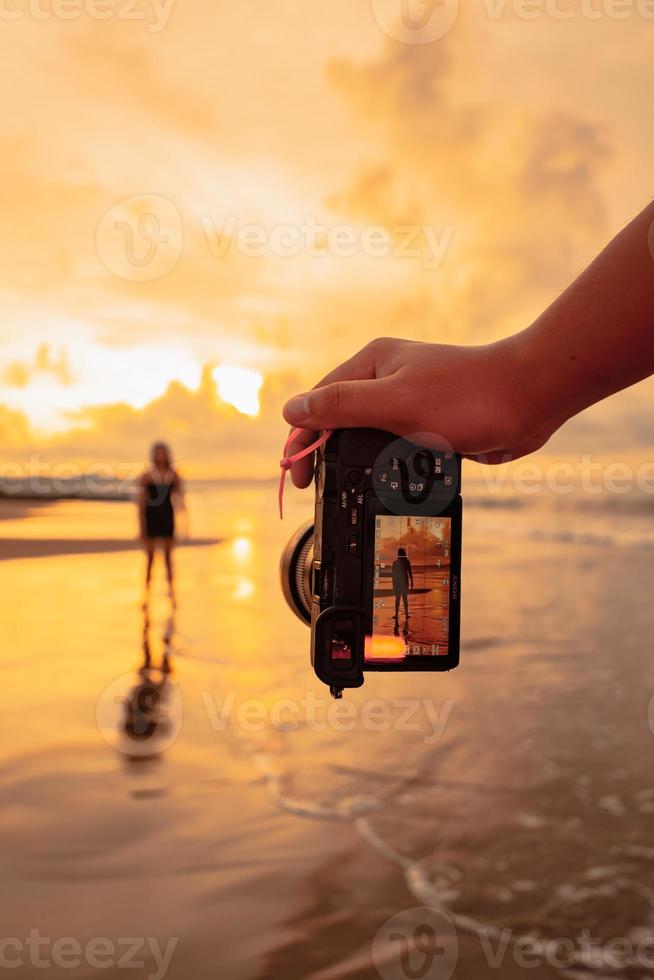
{"x":402,"y":580}
{"x":161,"y":492}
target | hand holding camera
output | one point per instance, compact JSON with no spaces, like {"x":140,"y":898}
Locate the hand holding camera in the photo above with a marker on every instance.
{"x":377,"y":574}
{"x":475,"y":398}
{"x":494,"y":402}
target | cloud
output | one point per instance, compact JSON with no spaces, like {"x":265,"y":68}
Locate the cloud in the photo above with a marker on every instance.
{"x":480,"y":132}
{"x":522,"y":187}
{"x":117,"y":71}
{"x":209,"y":438}
{"x":16,"y":375}
{"x":15,"y":434}
{"x":20,"y":374}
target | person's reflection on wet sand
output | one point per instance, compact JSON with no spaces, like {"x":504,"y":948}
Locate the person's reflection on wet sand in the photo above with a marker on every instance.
{"x":145,"y":710}
{"x":404,"y":630}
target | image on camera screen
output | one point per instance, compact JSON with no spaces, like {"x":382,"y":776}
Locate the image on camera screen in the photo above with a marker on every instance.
{"x":411,"y":595}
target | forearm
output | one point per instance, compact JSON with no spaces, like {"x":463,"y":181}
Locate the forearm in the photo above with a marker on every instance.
{"x":598,"y":337}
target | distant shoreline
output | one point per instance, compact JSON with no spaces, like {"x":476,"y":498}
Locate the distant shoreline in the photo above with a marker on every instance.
{"x":19,"y":509}
{"x":16,"y":548}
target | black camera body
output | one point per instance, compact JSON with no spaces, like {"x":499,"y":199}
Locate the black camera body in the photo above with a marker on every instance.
{"x":385,"y":575}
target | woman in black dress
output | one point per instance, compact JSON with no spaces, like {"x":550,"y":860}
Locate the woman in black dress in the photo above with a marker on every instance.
{"x":160,"y":493}
{"x":402,"y":580}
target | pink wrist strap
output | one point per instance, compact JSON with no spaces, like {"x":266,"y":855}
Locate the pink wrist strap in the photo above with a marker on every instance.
{"x":288,"y":461}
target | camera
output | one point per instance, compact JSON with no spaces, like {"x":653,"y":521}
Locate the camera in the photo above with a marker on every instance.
{"x":377,"y":574}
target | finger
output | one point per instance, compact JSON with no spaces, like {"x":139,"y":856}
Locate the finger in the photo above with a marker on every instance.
{"x":302,"y":471}
{"x":345,"y":404}
{"x":360,"y":367}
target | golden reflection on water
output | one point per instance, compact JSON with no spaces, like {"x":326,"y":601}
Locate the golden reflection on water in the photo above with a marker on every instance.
{"x":242,"y":549}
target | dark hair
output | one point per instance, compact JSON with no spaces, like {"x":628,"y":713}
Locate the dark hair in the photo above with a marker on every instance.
{"x":401,"y":552}
{"x":156,"y":446}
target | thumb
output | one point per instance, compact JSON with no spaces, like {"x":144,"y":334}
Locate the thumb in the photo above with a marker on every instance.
{"x":344,"y":404}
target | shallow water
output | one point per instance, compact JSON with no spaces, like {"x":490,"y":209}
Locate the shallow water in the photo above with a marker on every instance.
{"x":273,"y":832}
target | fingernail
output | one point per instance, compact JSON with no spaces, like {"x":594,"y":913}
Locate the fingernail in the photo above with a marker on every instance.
{"x":298,"y":407}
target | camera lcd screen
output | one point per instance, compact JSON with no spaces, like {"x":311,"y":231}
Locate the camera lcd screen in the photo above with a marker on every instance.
{"x":411,"y":593}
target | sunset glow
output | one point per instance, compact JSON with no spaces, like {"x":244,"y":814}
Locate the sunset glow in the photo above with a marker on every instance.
{"x":239,"y":387}
{"x":190,"y":241}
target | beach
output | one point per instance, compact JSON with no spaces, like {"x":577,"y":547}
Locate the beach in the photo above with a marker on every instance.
{"x":268,"y":832}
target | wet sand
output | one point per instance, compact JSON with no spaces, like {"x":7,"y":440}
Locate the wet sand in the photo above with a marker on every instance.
{"x":274,"y":835}
{"x":50,"y":547}
{"x":28,"y":546}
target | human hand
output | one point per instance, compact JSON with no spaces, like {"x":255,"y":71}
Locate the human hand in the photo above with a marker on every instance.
{"x":475,"y":400}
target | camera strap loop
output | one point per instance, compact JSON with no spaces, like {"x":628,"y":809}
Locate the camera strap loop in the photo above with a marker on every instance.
{"x":288,"y":461}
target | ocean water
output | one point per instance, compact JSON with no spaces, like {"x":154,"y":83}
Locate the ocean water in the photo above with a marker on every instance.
{"x":274,"y":833}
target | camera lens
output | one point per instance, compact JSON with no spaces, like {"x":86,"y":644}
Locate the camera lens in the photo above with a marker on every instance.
{"x":295,"y":570}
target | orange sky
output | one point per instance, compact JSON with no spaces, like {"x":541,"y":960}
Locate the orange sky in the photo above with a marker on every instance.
{"x":231,"y":184}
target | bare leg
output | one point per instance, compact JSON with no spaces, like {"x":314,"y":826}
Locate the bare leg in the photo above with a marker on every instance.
{"x":168,"y":555}
{"x":397,"y":604}
{"x":405,"y":599}
{"x":149,"y":550}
